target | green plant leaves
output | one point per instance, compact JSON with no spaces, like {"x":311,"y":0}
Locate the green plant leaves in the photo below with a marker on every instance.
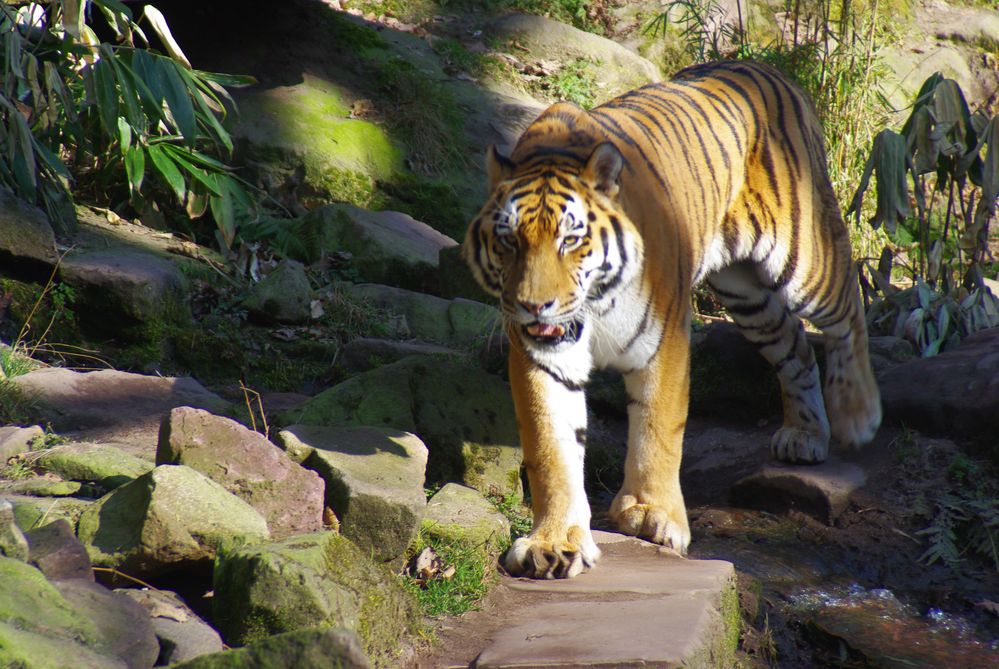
{"x":888,"y":162}
{"x":166,"y":167}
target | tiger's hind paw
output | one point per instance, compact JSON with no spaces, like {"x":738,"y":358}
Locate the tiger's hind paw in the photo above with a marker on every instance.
{"x":793,"y":444}
{"x":654,"y":522}
{"x":534,"y":556}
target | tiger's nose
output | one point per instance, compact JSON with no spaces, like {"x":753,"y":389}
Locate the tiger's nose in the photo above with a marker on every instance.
{"x":536,"y":308}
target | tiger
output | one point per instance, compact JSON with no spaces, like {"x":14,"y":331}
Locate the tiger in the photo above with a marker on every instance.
{"x":598,"y":226}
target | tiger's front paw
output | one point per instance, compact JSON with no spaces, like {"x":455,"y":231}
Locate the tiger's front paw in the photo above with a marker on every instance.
{"x":551,"y":554}
{"x":660,"y":523}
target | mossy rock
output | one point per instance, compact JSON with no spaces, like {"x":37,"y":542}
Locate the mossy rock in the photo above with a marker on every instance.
{"x":36,"y":620}
{"x":463,"y":414}
{"x":309,"y":126}
{"x":32,"y":512}
{"x":317,"y":580}
{"x":99,"y":463}
{"x":171,"y":517}
{"x":304,"y":649}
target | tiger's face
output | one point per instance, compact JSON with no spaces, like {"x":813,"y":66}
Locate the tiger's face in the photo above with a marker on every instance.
{"x":553,"y":245}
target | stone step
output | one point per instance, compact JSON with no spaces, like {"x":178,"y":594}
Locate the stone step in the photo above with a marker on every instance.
{"x":641,"y":606}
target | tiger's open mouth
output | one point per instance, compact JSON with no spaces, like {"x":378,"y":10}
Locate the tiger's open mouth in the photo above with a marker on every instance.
{"x":554,"y":333}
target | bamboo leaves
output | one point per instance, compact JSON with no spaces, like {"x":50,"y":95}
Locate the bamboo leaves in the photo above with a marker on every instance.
{"x":132,"y":115}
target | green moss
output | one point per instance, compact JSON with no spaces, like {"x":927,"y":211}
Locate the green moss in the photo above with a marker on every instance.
{"x":732,"y":619}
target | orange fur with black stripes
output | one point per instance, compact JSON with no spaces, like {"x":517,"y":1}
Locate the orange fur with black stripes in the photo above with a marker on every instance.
{"x":597,"y":228}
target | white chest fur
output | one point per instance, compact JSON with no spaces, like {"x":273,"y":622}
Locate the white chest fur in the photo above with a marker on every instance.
{"x":627,"y":334}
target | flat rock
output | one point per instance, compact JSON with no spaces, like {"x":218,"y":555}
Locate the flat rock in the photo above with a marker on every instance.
{"x":641,"y":606}
{"x":365,"y":353}
{"x":171,"y":517}
{"x":43,"y":487}
{"x":954,"y":393}
{"x":127,"y":283}
{"x":374,"y":481}
{"x":16,"y":440}
{"x":57,"y":553}
{"x":246,"y":464}
{"x":822,"y":490}
{"x":465,"y":509}
{"x":182,"y":634}
{"x":99,"y":463}
{"x":78,"y":400}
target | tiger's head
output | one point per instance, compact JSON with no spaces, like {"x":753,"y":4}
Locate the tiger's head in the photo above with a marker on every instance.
{"x":553,"y":243}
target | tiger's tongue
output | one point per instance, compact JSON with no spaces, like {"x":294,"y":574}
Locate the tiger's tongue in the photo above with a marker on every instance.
{"x":545,"y":330}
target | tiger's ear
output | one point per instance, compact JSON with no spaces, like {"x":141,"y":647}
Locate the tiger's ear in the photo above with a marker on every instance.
{"x":498,"y":166}
{"x":603,"y":168}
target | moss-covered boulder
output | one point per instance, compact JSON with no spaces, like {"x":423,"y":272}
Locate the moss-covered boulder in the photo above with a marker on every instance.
{"x":39,"y":628}
{"x":459,"y":510}
{"x":374,"y":481}
{"x":92,"y":462}
{"x":171,"y":517}
{"x":284,"y":295}
{"x":463,"y":414}
{"x":304,"y":649}
{"x":308,"y":127}
{"x":317,"y":580}
{"x":31,"y":512}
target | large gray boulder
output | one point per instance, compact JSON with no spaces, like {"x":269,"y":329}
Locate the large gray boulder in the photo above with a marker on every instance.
{"x":954,"y":393}
{"x":458,"y":322}
{"x":386,"y":246}
{"x":318,"y":580}
{"x":246,"y":464}
{"x":616,"y":68}
{"x":374,"y":481}
{"x":463,"y":414}
{"x":24,"y":230}
{"x":171,"y":517}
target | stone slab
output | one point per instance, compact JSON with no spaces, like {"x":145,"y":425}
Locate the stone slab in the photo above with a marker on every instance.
{"x":822,"y":491}
{"x":662,"y":632}
{"x":640,"y":606}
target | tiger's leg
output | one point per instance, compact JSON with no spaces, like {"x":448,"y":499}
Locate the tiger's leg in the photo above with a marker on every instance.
{"x":766,"y":321}
{"x":551,"y":417}
{"x":650,"y":503}
{"x":851,"y":391}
